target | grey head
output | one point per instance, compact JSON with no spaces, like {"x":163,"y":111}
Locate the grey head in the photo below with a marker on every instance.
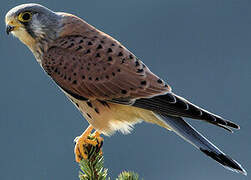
{"x":32,"y":21}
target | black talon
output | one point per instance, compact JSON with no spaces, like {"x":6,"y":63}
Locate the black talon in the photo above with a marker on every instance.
{"x":80,"y":157}
{"x":101,"y":144}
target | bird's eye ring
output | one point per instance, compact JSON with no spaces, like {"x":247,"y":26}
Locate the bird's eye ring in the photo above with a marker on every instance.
{"x":25,"y":16}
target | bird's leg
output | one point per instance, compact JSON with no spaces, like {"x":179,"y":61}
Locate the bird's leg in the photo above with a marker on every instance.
{"x":98,"y":137}
{"x":83,"y":141}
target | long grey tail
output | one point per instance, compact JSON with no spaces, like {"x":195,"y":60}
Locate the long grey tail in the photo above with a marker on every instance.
{"x":188,"y":133}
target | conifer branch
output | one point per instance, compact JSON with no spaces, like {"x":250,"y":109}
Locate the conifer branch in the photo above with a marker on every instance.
{"x":92,"y":168}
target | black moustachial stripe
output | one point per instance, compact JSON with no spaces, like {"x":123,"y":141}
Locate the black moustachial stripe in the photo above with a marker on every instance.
{"x":30,"y":32}
{"x":28,"y":29}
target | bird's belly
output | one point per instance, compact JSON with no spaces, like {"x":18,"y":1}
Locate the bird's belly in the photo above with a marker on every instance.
{"x":109,"y":117}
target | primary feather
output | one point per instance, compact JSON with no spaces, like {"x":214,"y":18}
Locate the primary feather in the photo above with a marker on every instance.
{"x":188,"y":133}
{"x":171,"y":104}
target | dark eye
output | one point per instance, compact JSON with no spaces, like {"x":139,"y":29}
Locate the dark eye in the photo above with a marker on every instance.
{"x":25,"y":16}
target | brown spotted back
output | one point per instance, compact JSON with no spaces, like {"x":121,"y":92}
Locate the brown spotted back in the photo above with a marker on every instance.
{"x":95,"y":66}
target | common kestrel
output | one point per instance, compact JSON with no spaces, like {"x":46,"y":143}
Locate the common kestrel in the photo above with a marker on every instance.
{"x":110,"y":86}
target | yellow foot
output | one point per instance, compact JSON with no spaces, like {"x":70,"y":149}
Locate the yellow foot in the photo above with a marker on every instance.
{"x":83,"y":141}
{"x":99,"y":139}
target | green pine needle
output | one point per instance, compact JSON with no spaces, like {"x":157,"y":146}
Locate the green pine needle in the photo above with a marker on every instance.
{"x":128,"y":175}
{"x":92,"y":168}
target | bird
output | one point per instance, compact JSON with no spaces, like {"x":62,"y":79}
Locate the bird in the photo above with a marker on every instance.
{"x":110,"y":86}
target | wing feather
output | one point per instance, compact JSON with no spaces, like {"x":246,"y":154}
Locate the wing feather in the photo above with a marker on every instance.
{"x":77,"y":64}
{"x":171,"y":104}
{"x":95,"y":66}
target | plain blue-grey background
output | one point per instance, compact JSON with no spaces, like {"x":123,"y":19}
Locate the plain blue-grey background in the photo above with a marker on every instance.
{"x":201,"y":47}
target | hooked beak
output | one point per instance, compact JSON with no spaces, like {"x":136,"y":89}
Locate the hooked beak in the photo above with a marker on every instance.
{"x":9,"y":28}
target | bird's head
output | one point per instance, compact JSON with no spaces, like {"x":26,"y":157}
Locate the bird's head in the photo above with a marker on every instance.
{"x":32,"y":22}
